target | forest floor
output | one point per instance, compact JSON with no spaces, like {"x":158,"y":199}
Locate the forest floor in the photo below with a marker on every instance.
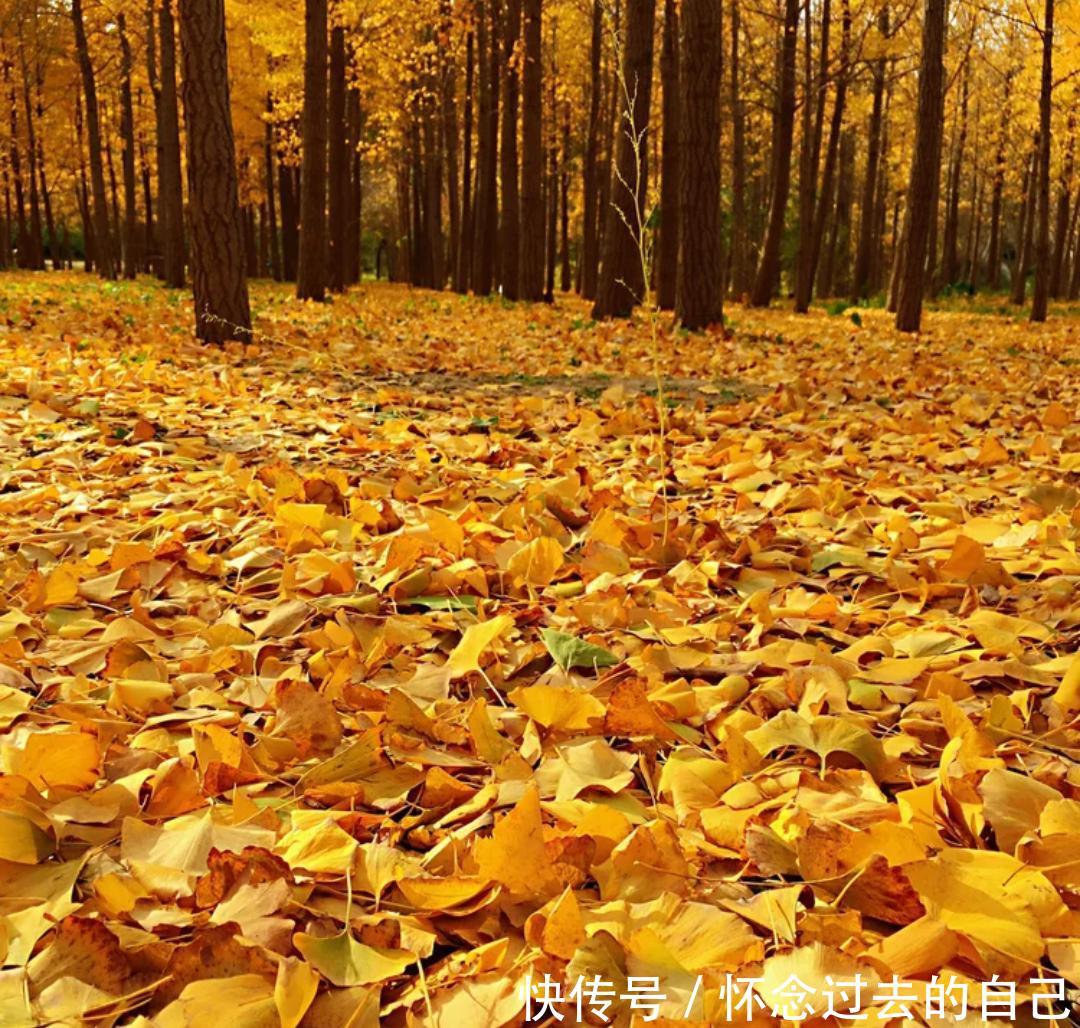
{"x":428,"y":643}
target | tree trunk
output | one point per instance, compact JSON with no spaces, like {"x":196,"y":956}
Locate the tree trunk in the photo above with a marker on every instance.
{"x":127,"y":141}
{"x":1061,"y":217}
{"x":170,"y":184}
{"x":1040,"y":297}
{"x":510,"y":245}
{"x":103,"y":257}
{"x":290,"y":220}
{"x":997,"y":192}
{"x":950,"y":257}
{"x":486,"y":204}
{"x":861,"y":276}
{"x":667,"y":250}
{"x":311,"y":275}
{"x":622,"y":271}
{"x":268,"y":183}
{"x":564,"y":203}
{"x":784,"y":125}
{"x":700,"y":286}
{"x":217,"y":232}
{"x":925,"y":168}
{"x":338,"y":158}
{"x":355,"y":186}
{"x":450,"y":144}
{"x":463,"y":257}
{"x":741,"y":280}
{"x":532,"y":156}
{"x":590,"y":249}
{"x":1025,"y":229}
{"x":35,"y":257}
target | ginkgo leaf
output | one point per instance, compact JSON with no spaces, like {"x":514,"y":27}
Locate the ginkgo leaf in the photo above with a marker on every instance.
{"x":476,"y":640}
{"x":822,"y":735}
{"x":343,"y":961}
{"x":569,"y":651}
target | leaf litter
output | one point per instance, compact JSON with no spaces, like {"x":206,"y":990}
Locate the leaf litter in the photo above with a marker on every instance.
{"x":347,"y":678}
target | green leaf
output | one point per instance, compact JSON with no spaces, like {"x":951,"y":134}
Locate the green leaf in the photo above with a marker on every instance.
{"x":570,"y":651}
{"x":345,"y":962}
{"x":442,"y":602}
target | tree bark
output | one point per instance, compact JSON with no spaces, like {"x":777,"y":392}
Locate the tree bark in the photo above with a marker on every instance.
{"x":532,"y":156}
{"x":268,"y":183}
{"x":290,"y":220}
{"x":667,"y":249}
{"x":1025,"y":229}
{"x":1061,"y":217}
{"x":784,"y":126}
{"x":700,"y":286}
{"x":950,"y":258}
{"x":217,"y":234}
{"x":1041,"y":295}
{"x":925,"y":168}
{"x":486,"y":204}
{"x":862,"y":274}
{"x":170,"y":184}
{"x":355,"y":188}
{"x":998,"y":189}
{"x":103,"y":257}
{"x":311,"y":274}
{"x":564,"y":205}
{"x":622,"y":272}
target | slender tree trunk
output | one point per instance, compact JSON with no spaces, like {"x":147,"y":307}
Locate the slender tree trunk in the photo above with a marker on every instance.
{"x":510,"y":244}
{"x":700,"y":285}
{"x":155,"y":264}
{"x":590,"y":232}
{"x":741,"y":279}
{"x":564,"y":207}
{"x":149,"y":245}
{"x":997,"y":192}
{"x":532,"y":156}
{"x":784,"y":125}
{"x":338,"y":158}
{"x":217,"y":232}
{"x":862,"y":275}
{"x":268,"y":182}
{"x":925,"y":168}
{"x":611,"y":131}
{"x":464,"y":254}
{"x":311,"y":275}
{"x":450,"y":144}
{"x":1061,"y":217}
{"x":1018,"y":290}
{"x":486,"y":206}
{"x":1041,"y":295}
{"x":667,"y":250}
{"x":127,"y":142}
{"x":355,"y":187}
{"x":114,"y":190}
{"x":170,"y":185}
{"x":950,"y":258}
{"x":103,"y":257}
{"x":622,"y":273}
{"x":290,"y":220}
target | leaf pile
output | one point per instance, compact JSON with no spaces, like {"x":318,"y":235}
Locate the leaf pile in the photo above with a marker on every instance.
{"x":352,"y":676}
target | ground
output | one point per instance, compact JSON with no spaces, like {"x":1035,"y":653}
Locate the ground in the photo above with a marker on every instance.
{"x":428,"y":643}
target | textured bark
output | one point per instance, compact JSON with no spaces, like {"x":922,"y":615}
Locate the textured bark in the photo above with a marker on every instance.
{"x":35,"y":255}
{"x":532,"y":156}
{"x":338,"y":162}
{"x":950,"y":257}
{"x":783,"y":128}
{"x":700,"y":288}
{"x":355,"y":187}
{"x":590,"y":232}
{"x":217,"y":233}
{"x":925,"y":168}
{"x":170,"y":185}
{"x":667,"y":248}
{"x":564,"y":203}
{"x":622,"y":276}
{"x":127,"y":141}
{"x":510,"y":213}
{"x":449,"y":137}
{"x":22,"y":244}
{"x":153,"y":255}
{"x":1041,"y":295}
{"x":311,"y":274}
{"x":103,"y":256}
